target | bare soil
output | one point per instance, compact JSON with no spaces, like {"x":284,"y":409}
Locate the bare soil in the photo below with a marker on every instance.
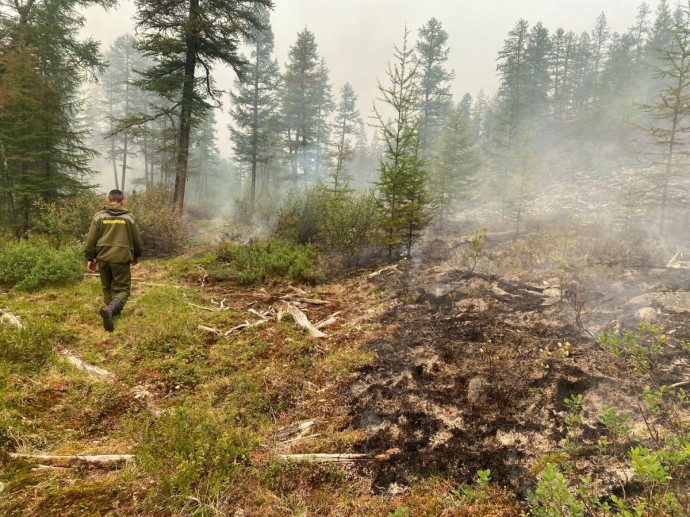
{"x":473,"y":371}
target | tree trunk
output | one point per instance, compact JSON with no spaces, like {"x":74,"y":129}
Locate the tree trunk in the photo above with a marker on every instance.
{"x":186,"y":113}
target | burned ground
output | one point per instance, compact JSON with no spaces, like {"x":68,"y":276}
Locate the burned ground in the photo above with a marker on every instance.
{"x":477,"y":367}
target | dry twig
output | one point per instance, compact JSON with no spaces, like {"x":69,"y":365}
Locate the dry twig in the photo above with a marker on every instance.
{"x":93,"y":371}
{"x":333,"y":458}
{"x":302,"y":320}
{"x":97,"y":459}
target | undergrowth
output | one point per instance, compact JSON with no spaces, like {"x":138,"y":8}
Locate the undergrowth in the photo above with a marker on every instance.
{"x":29,"y":265}
{"x":269,"y":259}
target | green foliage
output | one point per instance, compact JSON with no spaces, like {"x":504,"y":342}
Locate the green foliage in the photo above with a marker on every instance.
{"x":574,"y":417}
{"x":299,"y":217}
{"x":261,"y":260}
{"x":41,"y":143}
{"x":402,"y":197}
{"x":163,"y":231}
{"x":477,"y":492}
{"x":192,"y":450}
{"x":400,"y":511}
{"x":615,"y":422}
{"x":552,"y":496}
{"x":641,"y":348}
{"x":66,"y":222}
{"x":32,"y":264}
{"x":27,"y":349}
{"x":340,"y":221}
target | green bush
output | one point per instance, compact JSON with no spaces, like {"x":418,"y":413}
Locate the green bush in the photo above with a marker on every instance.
{"x":271,"y":258}
{"x":342,"y":222}
{"x":29,"y":265}
{"x":192,"y":451}
{"x":300,"y":215}
{"x":164,"y":233}
{"x":67,"y":221}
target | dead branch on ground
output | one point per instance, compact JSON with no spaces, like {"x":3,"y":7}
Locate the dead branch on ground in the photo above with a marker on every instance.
{"x":302,"y":320}
{"x":96,"y":459}
{"x":333,"y":458}
{"x":79,"y":364}
{"x":8,"y":317}
{"x":394,"y":268}
{"x":297,"y":428}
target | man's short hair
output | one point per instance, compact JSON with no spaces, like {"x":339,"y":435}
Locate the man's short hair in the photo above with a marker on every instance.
{"x":116,"y":196}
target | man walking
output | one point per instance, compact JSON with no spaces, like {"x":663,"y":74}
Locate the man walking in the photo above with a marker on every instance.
{"x":114,"y":242}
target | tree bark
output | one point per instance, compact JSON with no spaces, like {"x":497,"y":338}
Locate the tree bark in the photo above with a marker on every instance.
{"x":186,"y":112}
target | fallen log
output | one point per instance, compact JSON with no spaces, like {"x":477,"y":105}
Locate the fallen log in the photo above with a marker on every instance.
{"x":245,"y":325}
{"x":680,"y":384}
{"x":328,"y":321}
{"x":11,"y":319}
{"x":297,"y":428}
{"x":96,"y":459}
{"x":93,"y":371}
{"x":310,"y":301}
{"x":302,"y":320}
{"x":394,"y":267}
{"x":299,"y":438}
{"x":210,"y":309}
{"x":210,"y":329}
{"x":333,"y":458}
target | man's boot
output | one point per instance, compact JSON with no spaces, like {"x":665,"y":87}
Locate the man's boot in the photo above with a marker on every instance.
{"x":117,"y":306}
{"x":108,"y":312}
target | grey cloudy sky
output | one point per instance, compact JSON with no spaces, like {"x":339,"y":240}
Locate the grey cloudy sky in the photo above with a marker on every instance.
{"x":356,"y":37}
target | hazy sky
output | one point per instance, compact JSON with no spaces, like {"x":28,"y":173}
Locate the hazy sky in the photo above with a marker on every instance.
{"x":356,"y":37}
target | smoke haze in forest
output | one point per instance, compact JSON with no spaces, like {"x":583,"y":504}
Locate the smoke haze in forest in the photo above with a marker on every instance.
{"x":356,"y":38}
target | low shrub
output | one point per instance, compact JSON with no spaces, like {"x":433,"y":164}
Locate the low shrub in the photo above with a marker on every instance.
{"x":343,"y":222}
{"x":300,"y":215}
{"x":27,"y":349}
{"x":271,"y":258}
{"x":67,"y":221}
{"x":192,"y":451}
{"x":164,"y":232}
{"x":29,"y":265}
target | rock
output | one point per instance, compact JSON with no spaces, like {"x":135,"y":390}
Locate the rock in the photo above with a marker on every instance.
{"x":471,"y":305}
{"x":643,"y":299}
{"x":646,"y":315}
{"x":552,"y":282}
{"x":500,"y":292}
{"x":551,"y":292}
{"x":478,"y":391}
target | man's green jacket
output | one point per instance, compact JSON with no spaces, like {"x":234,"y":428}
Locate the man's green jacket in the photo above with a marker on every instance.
{"x":114,"y":236}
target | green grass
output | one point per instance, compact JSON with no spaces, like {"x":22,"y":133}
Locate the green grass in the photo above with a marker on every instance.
{"x":217,"y":398}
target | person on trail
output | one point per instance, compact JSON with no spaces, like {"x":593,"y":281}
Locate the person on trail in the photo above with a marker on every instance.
{"x":114,"y":243}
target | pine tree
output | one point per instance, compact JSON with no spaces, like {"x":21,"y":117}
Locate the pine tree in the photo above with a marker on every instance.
{"x":324,"y":109}
{"x":561,"y":65}
{"x":255,"y":110}
{"x":454,"y":166}
{"x":42,"y":65}
{"x":124,"y":100}
{"x":187,"y":39}
{"x":430,"y":57}
{"x":670,"y":131}
{"x":402,"y":186}
{"x":302,"y":102}
{"x":204,"y":162}
{"x":347,"y":124}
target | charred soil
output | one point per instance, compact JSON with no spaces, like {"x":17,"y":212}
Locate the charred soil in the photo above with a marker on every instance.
{"x":475,"y":369}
